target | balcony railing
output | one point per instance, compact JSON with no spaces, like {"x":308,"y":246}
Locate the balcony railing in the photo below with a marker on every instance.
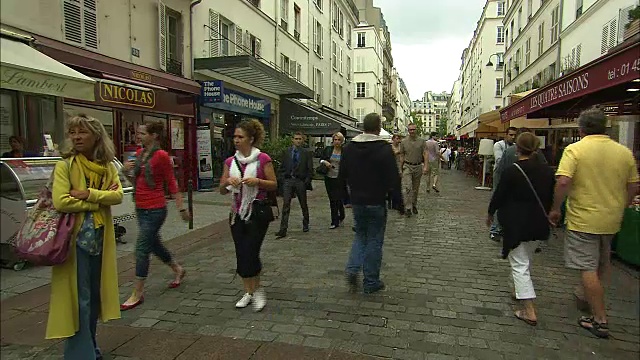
{"x":296,"y":34}
{"x":174,"y":67}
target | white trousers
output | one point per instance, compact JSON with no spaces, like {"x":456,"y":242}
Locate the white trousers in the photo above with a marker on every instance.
{"x":520,"y":260}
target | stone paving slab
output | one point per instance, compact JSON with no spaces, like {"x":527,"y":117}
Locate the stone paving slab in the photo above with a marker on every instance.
{"x":447,"y":297}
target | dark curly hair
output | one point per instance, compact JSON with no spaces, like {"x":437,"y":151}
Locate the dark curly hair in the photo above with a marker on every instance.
{"x":254,"y":129}
{"x":155,"y":127}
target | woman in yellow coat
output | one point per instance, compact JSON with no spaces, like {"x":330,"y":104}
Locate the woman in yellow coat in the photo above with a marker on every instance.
{"x":85,"y":287}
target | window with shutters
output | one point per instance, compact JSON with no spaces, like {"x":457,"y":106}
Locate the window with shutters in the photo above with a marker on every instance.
{"x":500,"y":9}
{"x":609,"y":35}
{"x":226,"y":37}
{"x":174,"y":55}
{"x":360,"y":90}
{"x":362,"y":39}
{"x":284,"y":14}
{"x":341,"y":62}
{"x":348,"y":68}
{"x":334,"y":15}
{"x":340,"y":95}
{"x":317,"y":38}
{"x":334,"y":95}
{"x":214,"y":34}
{"x":349,"y":103}
{"x":349,"y":35}
{"x":317,"y":85}
{"x":80,"y":22}
{"x":334,"y":55}
{"x":500,"y":35}
{"x":555,"y":18}
{"x":296,"y":21}
{"x":540,"y":39}
{"x":341,"y":24}
{"x":527,"y":52}
{"x":499,"y":85}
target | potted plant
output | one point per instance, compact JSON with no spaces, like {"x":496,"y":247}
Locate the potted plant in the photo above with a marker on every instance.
{"x":633,"y":27}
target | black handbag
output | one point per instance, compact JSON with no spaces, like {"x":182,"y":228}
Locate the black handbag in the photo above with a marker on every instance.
{"x":322,"y":170}
{"x":261,"y":210}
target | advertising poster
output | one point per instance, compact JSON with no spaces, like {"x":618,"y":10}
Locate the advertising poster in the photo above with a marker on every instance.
{"x":205,"y":160}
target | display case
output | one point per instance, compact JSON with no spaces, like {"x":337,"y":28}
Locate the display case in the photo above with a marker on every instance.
{"x":22,"y":179}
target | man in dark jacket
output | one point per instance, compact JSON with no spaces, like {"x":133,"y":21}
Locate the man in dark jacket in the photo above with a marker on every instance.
{"x":295,"y":173}
{"x":369,"y":168}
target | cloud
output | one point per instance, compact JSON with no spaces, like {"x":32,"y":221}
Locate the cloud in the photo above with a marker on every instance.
{"x":427,"y":39}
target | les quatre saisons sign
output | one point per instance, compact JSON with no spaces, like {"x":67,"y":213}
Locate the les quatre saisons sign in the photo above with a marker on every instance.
{"x":215,"y":95}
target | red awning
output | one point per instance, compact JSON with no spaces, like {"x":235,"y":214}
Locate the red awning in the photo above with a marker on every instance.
{"x":75,"y":56}
{"x":609,"y":71}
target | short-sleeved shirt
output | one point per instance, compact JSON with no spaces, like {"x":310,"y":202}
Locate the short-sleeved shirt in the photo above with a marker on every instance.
{"x":600,"y":170}
{"x":413,"y":149}
{"x":434,"y":150}
{"x":262,"y":193}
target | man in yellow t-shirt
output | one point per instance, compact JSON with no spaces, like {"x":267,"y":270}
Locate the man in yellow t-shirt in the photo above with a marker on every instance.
{"x":599,"y":178}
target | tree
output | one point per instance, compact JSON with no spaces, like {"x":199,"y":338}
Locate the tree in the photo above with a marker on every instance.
{"x":442,"y":128}
{"x":418,"y":122}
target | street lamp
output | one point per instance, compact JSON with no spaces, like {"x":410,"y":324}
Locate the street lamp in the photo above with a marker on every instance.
{"x":496,"y":55}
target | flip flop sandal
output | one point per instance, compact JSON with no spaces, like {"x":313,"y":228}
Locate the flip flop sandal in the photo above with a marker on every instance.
{"x":518,"y":315}
{"x":600,"y":330}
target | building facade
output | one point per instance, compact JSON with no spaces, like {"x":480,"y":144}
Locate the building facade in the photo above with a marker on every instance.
{"x":431,"y":110}
{"x":368,"y":71}
{"x":454,"y":109}
{"x":135,"y":57}
{"x":481,"y":76}
{"x":403,"y":111}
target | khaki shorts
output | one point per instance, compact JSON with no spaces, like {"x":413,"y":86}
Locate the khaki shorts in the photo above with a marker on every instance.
{"x":434,"y":168}
{"x":586,"y":252}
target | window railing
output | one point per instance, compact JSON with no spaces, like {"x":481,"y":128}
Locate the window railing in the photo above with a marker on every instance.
{"x":296,"y":34}
{"x":174,"y":67}
{"x":255,"y":3}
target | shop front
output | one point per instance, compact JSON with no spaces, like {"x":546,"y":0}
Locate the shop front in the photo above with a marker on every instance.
{"x":32,"y":88}
{"x":126,"y":95}
{"x":221,"y":108}
{"x":611,"y":82}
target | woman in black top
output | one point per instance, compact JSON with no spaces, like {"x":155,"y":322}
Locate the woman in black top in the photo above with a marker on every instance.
{"x":336,"y":188}
{"x":523,"y":219}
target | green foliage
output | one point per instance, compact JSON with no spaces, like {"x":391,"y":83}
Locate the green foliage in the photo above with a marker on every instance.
{"x":275,"y":147}
{"x":419,"y":123}
{"x":442,"y":128}
{"x":634,"y":14}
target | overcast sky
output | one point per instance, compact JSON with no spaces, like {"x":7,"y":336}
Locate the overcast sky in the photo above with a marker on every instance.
{"x":427,"y":39}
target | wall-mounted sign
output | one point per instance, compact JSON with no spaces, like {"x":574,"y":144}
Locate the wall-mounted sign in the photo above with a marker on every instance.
{"x":135,"y":52}
{"x":125,"y":95}
{"x":137,"y":75}
{"x":215,"y":95}
{"x":297,"y":117}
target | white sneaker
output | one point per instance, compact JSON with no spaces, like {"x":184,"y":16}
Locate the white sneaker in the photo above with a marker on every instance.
{"x":244,"y":302}
{"x":260,"y":300}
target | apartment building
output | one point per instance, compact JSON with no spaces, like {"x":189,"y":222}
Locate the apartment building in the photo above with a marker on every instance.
{"x":120,"y":62}
{"x":454,"y":108}
{"x":368,"y":71}
{"x":403,"y":111}
{"x":482,"y":68}
{"x":373,"y":15}
{"x":431,"y":110}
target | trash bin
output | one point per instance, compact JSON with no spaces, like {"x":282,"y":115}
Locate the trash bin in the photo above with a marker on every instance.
{"x":628,"y":239}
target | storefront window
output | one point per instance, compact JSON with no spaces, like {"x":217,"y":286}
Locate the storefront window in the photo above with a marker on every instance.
{"x":41,"y":118}
{"x":105,"y":116}
{"x":8,"y":118}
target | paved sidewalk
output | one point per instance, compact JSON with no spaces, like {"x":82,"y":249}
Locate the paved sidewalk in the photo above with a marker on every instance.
{"x":447,"y":297}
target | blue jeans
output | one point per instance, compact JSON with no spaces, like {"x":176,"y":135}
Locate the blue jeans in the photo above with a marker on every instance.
{"x":495,"y":228}
{"x":366,"y":251}
{"x":149,"y":223}
{"x":82,"y":345}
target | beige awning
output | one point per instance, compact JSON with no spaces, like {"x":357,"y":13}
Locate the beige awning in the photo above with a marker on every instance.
{"x":24,"y":68}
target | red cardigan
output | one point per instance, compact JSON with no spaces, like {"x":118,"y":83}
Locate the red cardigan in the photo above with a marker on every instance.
{"x":162,"y":170}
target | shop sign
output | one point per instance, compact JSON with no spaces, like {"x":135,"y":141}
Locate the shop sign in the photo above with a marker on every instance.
{"x":615,"y":70}
{"x":118,"y":94}
{"x":137,"y":75}
{"x":297,"y":117}
{"x":215,"y":95}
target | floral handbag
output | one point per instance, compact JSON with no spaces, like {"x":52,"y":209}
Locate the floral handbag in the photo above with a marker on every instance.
{"x":46,"y":233}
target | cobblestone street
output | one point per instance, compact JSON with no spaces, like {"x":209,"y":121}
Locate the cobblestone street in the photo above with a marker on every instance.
{"x":447,"y":297}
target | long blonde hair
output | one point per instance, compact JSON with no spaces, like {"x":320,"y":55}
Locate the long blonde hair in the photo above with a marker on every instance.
{"x":104,"y":151}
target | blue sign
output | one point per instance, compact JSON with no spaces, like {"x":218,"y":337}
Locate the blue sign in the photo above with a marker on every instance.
{"x":215,"y":95}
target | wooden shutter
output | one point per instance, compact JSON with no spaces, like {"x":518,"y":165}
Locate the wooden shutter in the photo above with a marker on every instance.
{"x":247,"y":42}
{"x":258,"y":48}
{"x":604,"y":44}
{"x":293,"y":66}
{"x":613,"y":33}
{"x":578,"y":52}
{"x":341,"y":62}
{"x":90,"y":23}
{"x":315,"y":35}
{"x":214,"y":34}
{"x":367,"y":91}
{"x":239,"y":41}
{"x":162,"y":38}
{"x":72,"y":12}
{"x":299,"y":72}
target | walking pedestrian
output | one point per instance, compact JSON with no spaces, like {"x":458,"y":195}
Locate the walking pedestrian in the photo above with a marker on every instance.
{"x":414,"y":165}
{"x":370,"y":169}
{"x":335,"y":186}
{"x":248,"y":176}
{"x":522,"y":200}
{"x":295,"y":174}
{"x":85,"y":287}
{"x":434,"y":157}
{"x":397,"y":203}
{"x":599,"y":178}
{"x":152,"y":170}
{"x":498,"y":150}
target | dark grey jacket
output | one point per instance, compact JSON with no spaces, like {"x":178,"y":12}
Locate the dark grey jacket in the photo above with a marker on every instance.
{"x":508,"y":158}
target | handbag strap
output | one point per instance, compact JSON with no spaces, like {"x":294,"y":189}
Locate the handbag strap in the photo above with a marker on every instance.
{"x":235,"y":159}
{"x":532,"y":189}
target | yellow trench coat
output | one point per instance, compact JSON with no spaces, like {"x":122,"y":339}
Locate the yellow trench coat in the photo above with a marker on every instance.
{"x":63,"y":307}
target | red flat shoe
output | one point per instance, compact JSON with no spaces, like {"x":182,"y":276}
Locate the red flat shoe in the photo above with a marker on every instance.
{"x":174,"y":284}
{"x":125,"y":307}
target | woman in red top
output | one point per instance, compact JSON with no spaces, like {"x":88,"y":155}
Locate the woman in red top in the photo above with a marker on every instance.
{"x":152,"y":170}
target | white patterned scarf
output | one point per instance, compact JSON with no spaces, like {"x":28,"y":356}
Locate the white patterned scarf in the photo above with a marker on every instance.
{"x":248,"y":193}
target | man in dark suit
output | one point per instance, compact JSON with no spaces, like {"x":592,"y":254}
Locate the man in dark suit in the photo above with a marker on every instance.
{"x":295,"y":173}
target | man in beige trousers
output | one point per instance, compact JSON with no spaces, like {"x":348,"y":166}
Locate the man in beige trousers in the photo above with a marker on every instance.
{"x":414,"y":159}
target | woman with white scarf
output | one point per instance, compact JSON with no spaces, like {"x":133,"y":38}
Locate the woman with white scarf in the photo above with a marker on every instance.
{"x":248,"y":176}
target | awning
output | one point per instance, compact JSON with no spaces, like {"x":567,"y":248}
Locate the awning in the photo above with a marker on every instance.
{"x":296,"y":116}
{"x":249,"y":69}
{"x":602,"y":81}
{"x":26,"y":69}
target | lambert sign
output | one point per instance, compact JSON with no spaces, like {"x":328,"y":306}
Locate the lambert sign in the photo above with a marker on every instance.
{"x":215,"y":95}
{"x":125,"y":95}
